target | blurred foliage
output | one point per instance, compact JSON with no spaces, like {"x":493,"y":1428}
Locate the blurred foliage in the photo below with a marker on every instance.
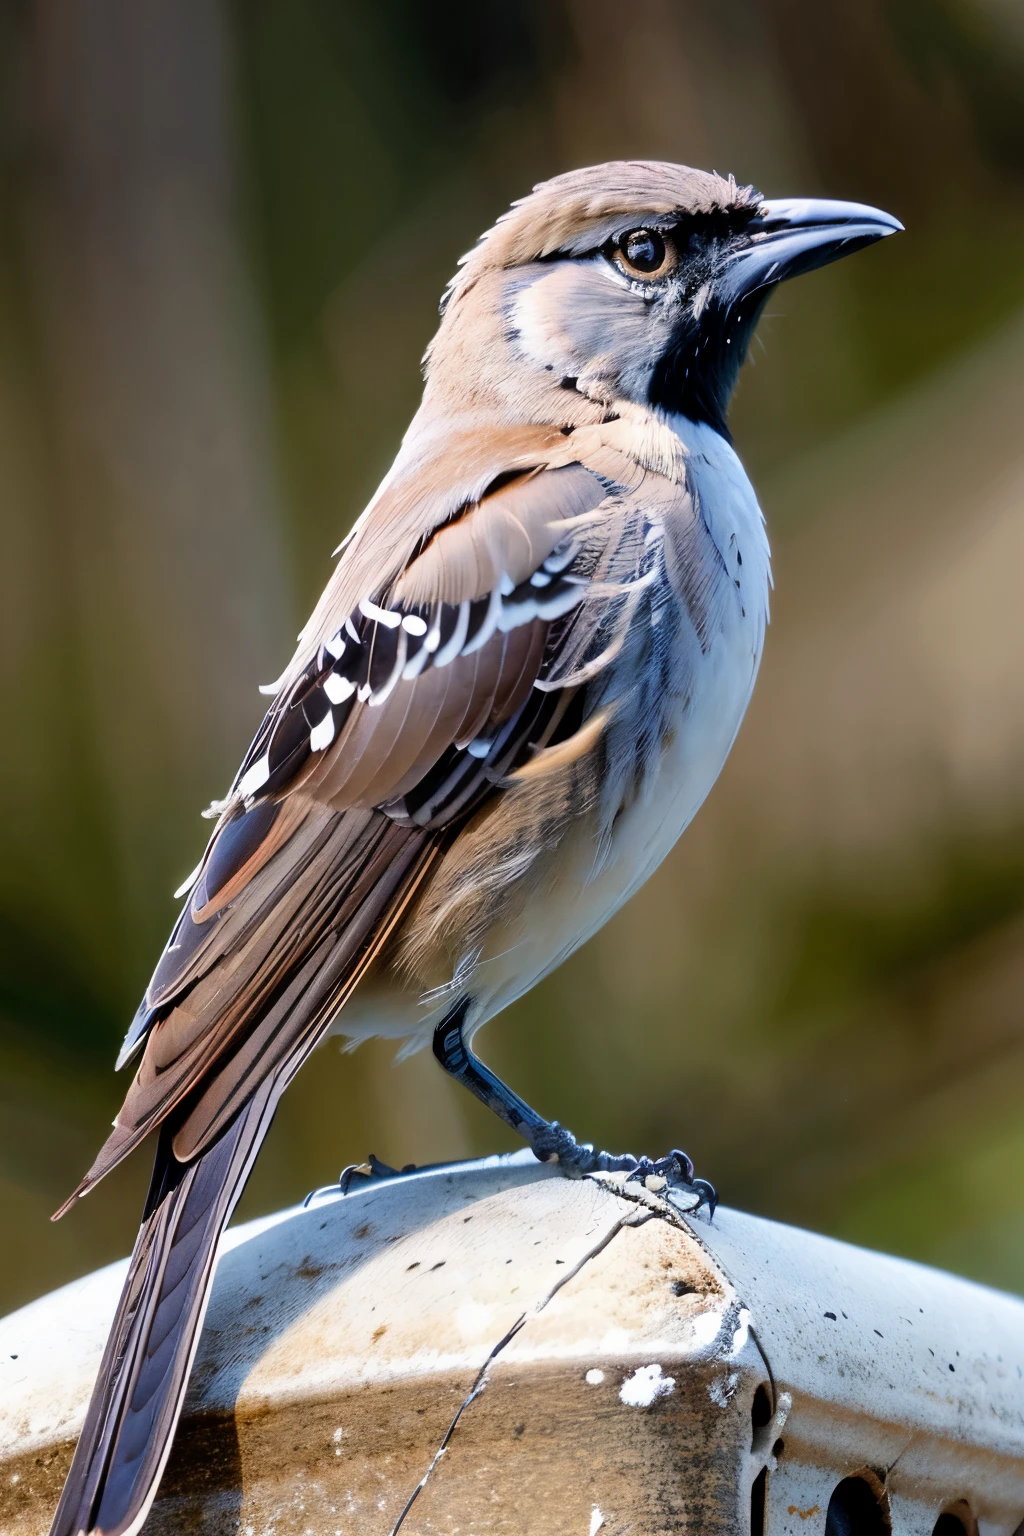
{"x":223,"y":235}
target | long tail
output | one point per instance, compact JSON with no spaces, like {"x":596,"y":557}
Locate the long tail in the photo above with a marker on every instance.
{"x":239,"y":1001}
{"x":129,"y":1428}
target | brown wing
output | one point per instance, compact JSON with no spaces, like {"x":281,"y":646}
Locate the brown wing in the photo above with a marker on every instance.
{"x":446,"y":651}
{"x":417,"y":705}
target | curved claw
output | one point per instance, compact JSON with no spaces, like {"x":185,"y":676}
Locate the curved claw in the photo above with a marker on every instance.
{"x":373,"y":1168}
{"x":676,"y":1164}
{"x":360,"y":1172}
{"x":553,"y":1143}
{"x":706,"y":1196}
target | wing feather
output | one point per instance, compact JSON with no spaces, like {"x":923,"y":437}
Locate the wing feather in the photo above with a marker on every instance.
{"x":423,"y":692}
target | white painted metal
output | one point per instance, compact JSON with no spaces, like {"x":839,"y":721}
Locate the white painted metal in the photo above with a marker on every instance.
{"x":612,"y":1367}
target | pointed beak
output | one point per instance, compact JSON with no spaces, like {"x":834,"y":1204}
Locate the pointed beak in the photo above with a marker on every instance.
{"x":794,"y":235}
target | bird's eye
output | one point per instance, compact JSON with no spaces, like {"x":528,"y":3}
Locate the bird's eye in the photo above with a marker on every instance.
{"x":644,"y":253}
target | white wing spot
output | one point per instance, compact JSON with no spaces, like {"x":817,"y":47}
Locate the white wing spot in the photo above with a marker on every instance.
{"x":322,"y":735}
{"x":488,"y":626}
{"x":413,"y":668}
{"x":338,"y":688}
{"x":254,"y":778}
{"x":560,"y":557}
{"x":433,"y":640}
{"x":449,"y":652}
{"x":380,"y":615}
{"x":560,"y":603}
{"x":414,"y":625}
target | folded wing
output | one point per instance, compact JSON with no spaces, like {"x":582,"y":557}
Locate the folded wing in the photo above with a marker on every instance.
{"x":414,"y":707}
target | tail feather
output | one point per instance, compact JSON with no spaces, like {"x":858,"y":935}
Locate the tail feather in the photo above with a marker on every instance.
{"x":205,"y":1151}
{"x":129,"y":1427}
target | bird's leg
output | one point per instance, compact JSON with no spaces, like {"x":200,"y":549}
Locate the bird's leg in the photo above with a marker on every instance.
{"x":550,"y":1141}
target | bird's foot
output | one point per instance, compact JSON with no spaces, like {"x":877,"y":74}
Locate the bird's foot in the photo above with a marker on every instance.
{"x":356,"y":1175}
{"x":555,"y":1144}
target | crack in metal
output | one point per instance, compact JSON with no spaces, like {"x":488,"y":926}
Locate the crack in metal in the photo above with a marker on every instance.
{"x":628,"y":1219}
{"x":628,"y":1188}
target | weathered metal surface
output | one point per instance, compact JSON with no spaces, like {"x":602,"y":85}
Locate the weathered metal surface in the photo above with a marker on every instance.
{"x":611,"y":1367}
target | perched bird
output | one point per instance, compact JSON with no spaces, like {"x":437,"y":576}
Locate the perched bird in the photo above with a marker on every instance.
{"x":522,"y":680}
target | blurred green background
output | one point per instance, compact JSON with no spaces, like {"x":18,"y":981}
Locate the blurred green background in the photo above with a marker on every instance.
{"x":223,"y":234}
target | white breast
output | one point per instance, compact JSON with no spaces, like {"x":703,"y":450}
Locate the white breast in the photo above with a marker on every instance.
{"x":718,"y":689}
{"x":723,"y":677}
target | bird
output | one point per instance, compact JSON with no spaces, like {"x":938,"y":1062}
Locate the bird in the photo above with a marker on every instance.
{"x":523,"y":678}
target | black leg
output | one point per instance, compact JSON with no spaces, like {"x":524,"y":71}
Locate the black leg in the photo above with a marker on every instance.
{"x":459,"y":1062}
{"x":549,"y":1140}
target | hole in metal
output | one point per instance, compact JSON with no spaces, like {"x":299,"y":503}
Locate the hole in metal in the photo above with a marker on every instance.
{"x":858,"y":1507}
{"x":759,"y":1503}
{"x":956,"y":1520}
{"x":761,"y":1408}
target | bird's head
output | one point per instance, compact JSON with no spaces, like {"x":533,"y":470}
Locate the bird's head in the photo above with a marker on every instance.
{"x":634,"y":281}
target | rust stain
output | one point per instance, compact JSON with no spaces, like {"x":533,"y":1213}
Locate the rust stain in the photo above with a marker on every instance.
{"x":805,"y":1514}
